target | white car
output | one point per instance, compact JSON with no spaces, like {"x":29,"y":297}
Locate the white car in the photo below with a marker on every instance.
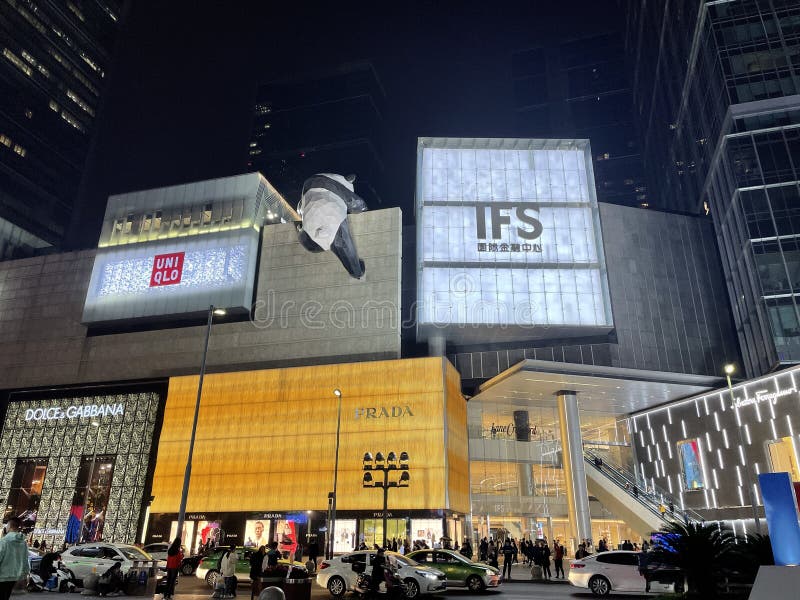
{"x":157,"y":550}
{"x":618,"y":570}
{"x":338,"y":576}
{"x":97,"y":557}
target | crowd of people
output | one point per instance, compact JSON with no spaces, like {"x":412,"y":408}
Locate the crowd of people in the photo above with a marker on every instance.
{"x":534,"y":553}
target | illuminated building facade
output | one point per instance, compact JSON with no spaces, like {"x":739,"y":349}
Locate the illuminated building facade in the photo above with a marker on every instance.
{"x":53,"y":71}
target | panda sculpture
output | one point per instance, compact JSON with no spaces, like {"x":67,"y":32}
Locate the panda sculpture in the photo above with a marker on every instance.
{"x":326,"y":201}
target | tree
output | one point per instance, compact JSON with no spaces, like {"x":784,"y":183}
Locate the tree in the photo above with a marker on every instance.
{"x":701,"y":551}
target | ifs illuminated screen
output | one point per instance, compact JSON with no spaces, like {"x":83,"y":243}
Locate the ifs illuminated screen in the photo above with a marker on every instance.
{"x":508,"y":235}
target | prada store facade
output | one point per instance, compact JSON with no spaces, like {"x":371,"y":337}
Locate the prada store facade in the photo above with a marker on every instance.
{"x":265,"y":452}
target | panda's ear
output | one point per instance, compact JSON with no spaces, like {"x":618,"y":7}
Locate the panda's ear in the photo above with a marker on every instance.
{"x":351,"y":177}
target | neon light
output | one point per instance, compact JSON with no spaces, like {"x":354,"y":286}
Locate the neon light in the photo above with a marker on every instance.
{"x":725,"y":439}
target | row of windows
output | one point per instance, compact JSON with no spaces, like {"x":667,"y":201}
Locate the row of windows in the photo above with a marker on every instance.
{"x":8,"y":143}
{"x":132,"y":227}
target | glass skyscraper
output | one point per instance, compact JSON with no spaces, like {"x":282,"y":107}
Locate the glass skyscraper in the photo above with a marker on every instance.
{"x":716,"y":93}
{"x":53,"y":69}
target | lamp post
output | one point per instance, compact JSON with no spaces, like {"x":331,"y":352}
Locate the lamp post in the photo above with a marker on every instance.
{"x":730,"y":369}
{"x":82,"y":536}
{"x":329,"y":539}
{"x":386,"y":466}
{"x":188,"y":472}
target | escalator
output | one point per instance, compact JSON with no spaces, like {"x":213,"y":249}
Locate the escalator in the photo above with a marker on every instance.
{"x":644,"y":508}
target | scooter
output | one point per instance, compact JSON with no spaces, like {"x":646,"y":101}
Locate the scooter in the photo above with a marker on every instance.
{"x":63,"y":580}
{"x":392,"y":585}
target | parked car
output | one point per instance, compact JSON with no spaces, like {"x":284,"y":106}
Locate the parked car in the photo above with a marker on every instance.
{"x":460,"y":571}
{"x":208,"y":568}
{"x":157,"y":550}
{"x":189,"y":564}
{"x":618,"y":570}
{"x":98,"y":557}
{"x":338,"y":576}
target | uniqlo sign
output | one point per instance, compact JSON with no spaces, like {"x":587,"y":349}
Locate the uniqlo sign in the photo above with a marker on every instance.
{"x":167,"y":269}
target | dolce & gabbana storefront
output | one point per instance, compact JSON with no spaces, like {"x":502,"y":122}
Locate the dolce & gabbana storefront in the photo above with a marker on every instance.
{"x":266,"y":446}
{"x":75,"y":463}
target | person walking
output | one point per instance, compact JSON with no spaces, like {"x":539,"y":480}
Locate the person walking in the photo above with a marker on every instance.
{"x":516,"y":550}
{"x":13,"y":558}
{"x":174,"y":560}
{"x":483,"y":550}
{"x":558,"y":559}
{"x":546,"y":561}
{"x":508,"y":559}
{"x":227,"y":568}
{"x":256,"y":563}
{"x":313,"y":552}
{"x":492,"y":552}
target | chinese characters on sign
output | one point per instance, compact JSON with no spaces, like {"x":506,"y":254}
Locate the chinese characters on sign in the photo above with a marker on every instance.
{"x":491,"y":247}
{"x":167,"y":269}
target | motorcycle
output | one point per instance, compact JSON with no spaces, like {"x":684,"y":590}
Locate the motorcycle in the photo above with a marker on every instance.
{"x":63,"y":580}
{"x":392,"y":587}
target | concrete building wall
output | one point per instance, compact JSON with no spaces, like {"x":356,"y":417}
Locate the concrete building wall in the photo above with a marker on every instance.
{"x":308,"y":311}
{"x":668,"y":299}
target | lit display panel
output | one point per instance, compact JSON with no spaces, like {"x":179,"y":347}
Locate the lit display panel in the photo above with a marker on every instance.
{"x":508,"y":235}
{"x":173,"y":277}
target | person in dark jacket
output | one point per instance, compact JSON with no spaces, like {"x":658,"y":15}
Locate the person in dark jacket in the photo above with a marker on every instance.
{"x":378,"y":568}
{"x":483,"y":549}
{"x":508,"y":558}
{"x":47,"y":566}
{"x":466,"y":549}
{"x":257,"y":562}
{"x":545,"y":554}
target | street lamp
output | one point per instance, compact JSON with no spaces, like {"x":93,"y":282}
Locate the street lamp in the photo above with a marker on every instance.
{"x":730,"y":369}
{"x":83,"y":537}
{"x":385,"y":465}
{"x":188,"y":472}
{"x":329,"y":533}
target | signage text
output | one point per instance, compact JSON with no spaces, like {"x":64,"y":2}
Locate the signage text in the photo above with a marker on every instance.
{"x":56,"y":413}
{"x":383,"y":412}
{"x":167,"y":269}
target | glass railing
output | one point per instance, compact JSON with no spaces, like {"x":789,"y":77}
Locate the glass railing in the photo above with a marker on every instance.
{"x":654,"y":499}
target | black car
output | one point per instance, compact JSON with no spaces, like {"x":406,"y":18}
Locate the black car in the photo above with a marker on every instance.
{"x":189,"y":563}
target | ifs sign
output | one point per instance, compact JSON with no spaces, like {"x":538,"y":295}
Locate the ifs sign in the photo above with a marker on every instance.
{"x":167,"y":269}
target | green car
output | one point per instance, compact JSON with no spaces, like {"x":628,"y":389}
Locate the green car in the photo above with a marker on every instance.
{"x":208,"y":568}
{"x":460,"y":571}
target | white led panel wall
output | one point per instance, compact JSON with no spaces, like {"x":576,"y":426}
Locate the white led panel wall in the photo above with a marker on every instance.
{"x":173,"y":277}
{"x":508,"y":240}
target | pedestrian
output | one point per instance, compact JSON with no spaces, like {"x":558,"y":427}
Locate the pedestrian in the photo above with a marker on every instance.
{"x":466,"y":549}
{"x":228,"y":570}
{"x":546,"y":560}
{"x":508,"y":559}
{"x":110,"y":582}
{"x":271,"y":557}
{"x":602,"y":546}
{"x":13,"y":558}
{"x":256,"y":563}
{"x":558,"y":559}
{"x":581,"y":552}
{"x":313,"y":552}
{"x":483,"y":550}
{"x":174,"y":560}
{"x":492,"y":552}
{"x":43,"y":547}
{"x":516,"y":550}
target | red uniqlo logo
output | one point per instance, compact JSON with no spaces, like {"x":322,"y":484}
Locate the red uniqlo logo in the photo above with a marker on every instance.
{"x":167,"y":269}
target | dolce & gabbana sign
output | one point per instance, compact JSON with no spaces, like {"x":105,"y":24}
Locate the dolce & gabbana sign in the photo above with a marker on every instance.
{"x":56,"y":413}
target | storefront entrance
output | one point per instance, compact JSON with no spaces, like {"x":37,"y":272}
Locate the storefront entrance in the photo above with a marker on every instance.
{"x":372,"y":531}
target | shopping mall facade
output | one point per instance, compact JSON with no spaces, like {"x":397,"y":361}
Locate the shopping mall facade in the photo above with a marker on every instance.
{"x":551,"y":334}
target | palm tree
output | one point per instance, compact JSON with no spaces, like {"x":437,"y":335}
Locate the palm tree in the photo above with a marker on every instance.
{"x":700,"y":550}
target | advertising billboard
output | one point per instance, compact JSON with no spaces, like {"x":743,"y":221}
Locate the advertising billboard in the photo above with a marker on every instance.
{"x":177,"y":250}
{"x":508,"y":239}
{"x":176,"y":276}
{"x":691,"y":467}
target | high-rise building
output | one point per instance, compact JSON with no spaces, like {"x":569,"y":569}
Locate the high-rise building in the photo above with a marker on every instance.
{"x":327,"y":121}
{"x":719,"y":109}
{"x":54,"y":66}
{"x":579,"y":89}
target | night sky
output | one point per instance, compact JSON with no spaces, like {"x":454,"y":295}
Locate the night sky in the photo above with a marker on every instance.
{"x":178,"y":108}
